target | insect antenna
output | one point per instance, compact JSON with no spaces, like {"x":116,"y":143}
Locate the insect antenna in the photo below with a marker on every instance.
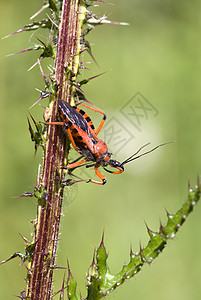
{"x":133,"y":157}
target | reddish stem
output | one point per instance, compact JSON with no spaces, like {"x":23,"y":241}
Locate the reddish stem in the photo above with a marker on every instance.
{"x":49,"y":213}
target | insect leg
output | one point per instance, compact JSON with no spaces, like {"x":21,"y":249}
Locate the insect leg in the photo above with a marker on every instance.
{"x":71,"y":139}
{"x":75,"y":164}
{"x":99,"y":111}
{"x":117,"y":165}
{"x":100,"y":175}
{"x":68,"y":131}
{"x":118,"y":172}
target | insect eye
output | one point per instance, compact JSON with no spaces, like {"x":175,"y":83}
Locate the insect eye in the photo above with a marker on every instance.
{"x":106,"y":156}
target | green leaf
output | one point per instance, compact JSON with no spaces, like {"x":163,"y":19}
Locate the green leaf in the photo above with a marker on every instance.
{"x":101,"y":282}
{"x":72,"y":287}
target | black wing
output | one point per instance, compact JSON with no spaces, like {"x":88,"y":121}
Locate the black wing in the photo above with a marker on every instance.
{"x":73,"y":115}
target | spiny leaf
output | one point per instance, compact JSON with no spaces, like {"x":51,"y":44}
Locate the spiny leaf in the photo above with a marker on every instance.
{"x":14,"y":255}
{"x":159,"y":239}
{"x":102,"y":282}
{"x":44,"y":23}
{"x":72,"y":287}
{"x":29,"y":250}
{"x":37,"y":136}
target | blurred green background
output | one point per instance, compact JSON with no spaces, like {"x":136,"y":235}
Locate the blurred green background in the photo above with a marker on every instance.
{"x":158,"y":55}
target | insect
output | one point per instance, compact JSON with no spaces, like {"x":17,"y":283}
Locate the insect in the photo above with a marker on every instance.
{"x":79,"y":128}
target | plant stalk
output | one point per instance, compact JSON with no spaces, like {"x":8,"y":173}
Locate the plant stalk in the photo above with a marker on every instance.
{"x":41,"y":268}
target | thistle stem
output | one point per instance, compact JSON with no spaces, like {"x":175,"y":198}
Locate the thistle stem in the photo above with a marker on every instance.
{"x":41,"y":268}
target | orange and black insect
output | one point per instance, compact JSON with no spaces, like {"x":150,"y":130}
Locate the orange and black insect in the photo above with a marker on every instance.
{"x":79,"y":128}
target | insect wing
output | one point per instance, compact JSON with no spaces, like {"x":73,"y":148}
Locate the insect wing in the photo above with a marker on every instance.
{"x":70,"y":194}
{"x":80,"y":126}
{"x":69,"y":114}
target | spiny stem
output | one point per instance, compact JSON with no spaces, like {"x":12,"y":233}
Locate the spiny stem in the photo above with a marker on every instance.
{"x":49,"y":211}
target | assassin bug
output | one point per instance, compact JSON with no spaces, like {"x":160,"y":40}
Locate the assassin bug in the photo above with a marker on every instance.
{"x":79,"y":128}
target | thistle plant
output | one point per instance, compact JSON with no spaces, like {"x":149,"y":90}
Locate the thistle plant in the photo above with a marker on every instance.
{"x":69,"y":23}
